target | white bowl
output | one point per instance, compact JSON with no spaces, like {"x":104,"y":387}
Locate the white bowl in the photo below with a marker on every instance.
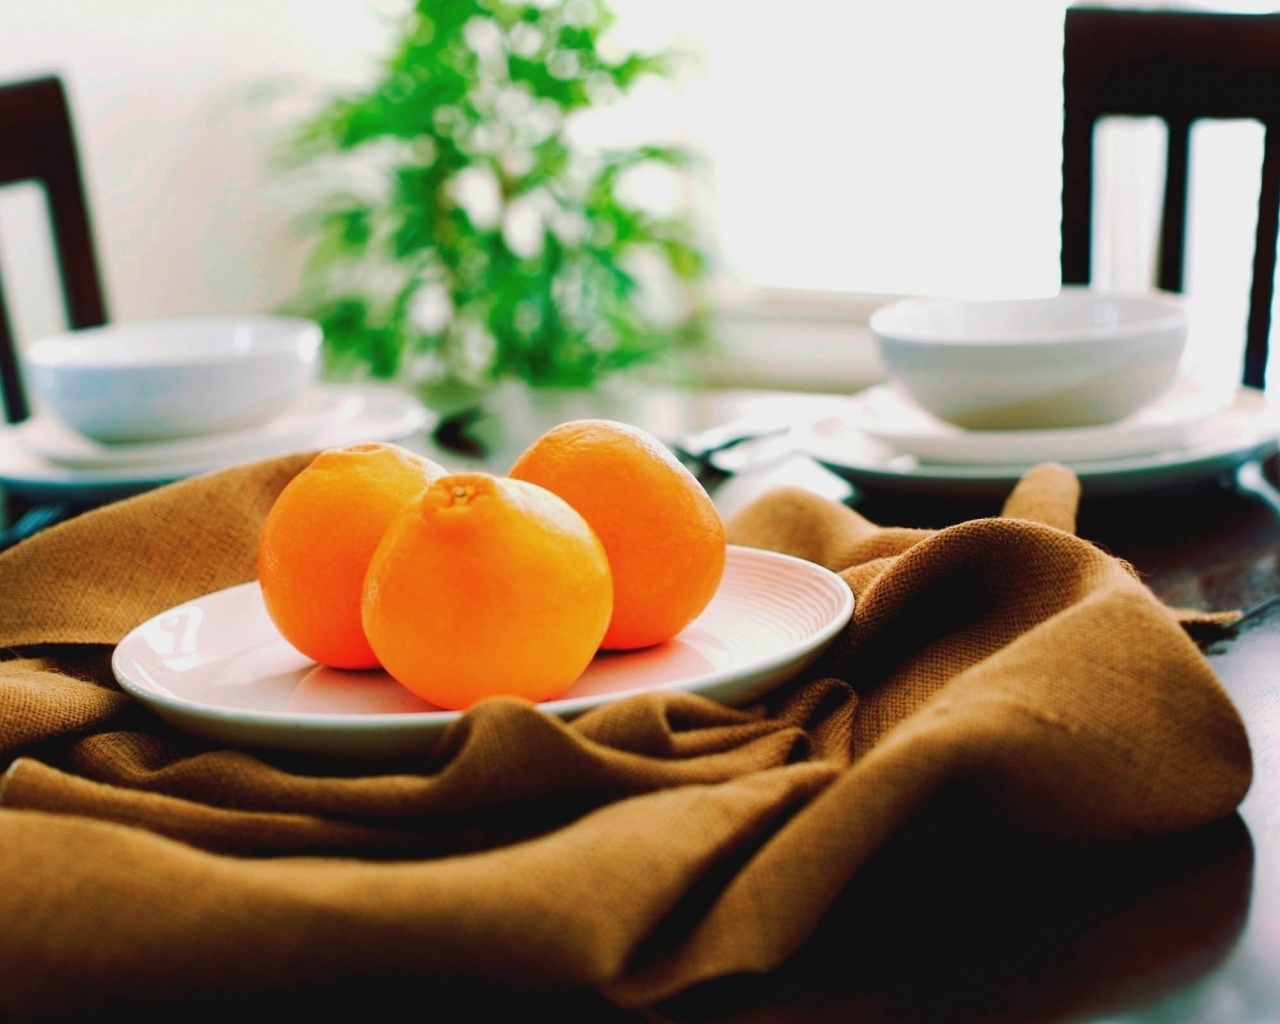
{"x":168,"y":378}
{"x":1078,"y":358}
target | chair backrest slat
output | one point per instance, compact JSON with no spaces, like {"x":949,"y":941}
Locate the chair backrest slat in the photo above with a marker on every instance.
{"x":37,"y":143}
{"x":1173,"y":218}
{"x":1181,"y":67}
{"x":1264,"y":263}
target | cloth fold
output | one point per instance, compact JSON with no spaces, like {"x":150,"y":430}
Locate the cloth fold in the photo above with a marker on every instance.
{"x":648,"y":845}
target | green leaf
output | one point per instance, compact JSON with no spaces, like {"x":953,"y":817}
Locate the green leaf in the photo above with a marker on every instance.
{"x":566,"y":314}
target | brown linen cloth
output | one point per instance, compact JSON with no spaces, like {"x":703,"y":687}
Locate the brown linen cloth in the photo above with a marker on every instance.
{"x":644,"y":847}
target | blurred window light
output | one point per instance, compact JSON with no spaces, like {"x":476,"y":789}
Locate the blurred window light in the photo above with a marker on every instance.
{"x":867,"y":146}
{"x":915,"y":148}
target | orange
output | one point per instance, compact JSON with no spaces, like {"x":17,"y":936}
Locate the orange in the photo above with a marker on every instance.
{"x":663,"y":535}
{"x":487,"y":586}
{"x":318,"y":538}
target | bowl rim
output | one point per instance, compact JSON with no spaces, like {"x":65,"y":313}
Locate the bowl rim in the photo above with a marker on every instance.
{"x":73,"y":350}
{"x":1169,"y":313}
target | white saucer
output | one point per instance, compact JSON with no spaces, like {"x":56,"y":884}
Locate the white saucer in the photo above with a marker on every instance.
{"x":323,"y":406}
{"x":1246,"y":428}
{"x":217,"y":667}
{"x":356,"y":413}
{"x":888,"y":414}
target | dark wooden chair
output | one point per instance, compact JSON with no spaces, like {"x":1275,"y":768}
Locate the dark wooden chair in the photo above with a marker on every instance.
{"x":37,"y":143}
{"x":1181,"y":67}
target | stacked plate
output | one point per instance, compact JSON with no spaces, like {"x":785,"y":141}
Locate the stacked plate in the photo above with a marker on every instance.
{"x":126,"y":406}
{"x":44,"y":459}
{"x":882,"y":439}
{"x":980,"y":390}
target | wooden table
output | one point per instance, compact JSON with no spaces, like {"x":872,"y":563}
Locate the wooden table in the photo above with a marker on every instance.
{"x":962,"y":918}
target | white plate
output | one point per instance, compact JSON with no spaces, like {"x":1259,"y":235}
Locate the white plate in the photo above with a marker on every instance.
{"x":217,"y":667}
{"x":320,"y":407}
{"x":1246,"y":428}
{"x":379,"y":413}
{"x":888,"y":414}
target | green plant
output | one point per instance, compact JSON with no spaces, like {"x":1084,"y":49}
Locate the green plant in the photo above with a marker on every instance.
{"x":486,"y":242}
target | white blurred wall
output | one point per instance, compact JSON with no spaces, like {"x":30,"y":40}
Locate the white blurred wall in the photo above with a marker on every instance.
{"x":188,"y":215}
{"x":853,"y":147}
{"x":822,"y":129}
